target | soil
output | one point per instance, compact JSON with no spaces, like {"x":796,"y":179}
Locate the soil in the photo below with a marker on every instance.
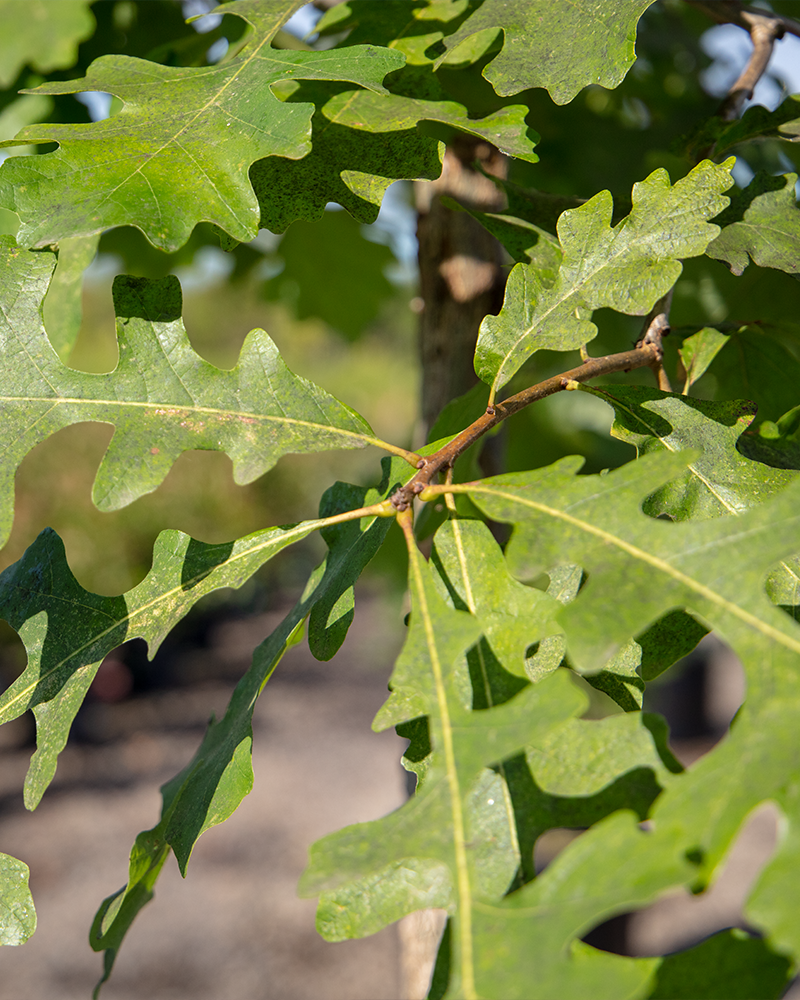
{"x":234,"y":928}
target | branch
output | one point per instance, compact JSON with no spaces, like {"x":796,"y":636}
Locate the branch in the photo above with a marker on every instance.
{"x":764,"y":30}
{"x":647,"y":354}
{"x":656,"y":326}
{"x":734,"y":12}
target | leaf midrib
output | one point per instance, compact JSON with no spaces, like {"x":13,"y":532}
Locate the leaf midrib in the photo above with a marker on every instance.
{"x":487,"y":687}
{"x":651,"y":560}
{"x":304,"y":527}
{"x":607,"y":262}
{"x":459,"y":831}
{"x":177,"y":408}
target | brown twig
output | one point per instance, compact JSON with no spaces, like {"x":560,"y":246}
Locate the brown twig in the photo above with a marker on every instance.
{"x":764,"y":30}
{"x":647,"y":354}
{"x":656,"y":327}
{"x":734,"y":12}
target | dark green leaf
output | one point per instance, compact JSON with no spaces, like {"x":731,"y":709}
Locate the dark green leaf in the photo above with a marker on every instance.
{"x":349,"y":166}
{"x":360,"y":146}
{"x":349,"y":289}
{"x":731,"y":965}
{"x":620,"y":678}
{"x":220,"y":775}
{"x":757,"y":122}
{"x":715,"y":569}
{"x":758,"y":365}
{"x":777,"y":443}
{"x":351,"y":546}
{"x":67,"y":631}
{"x":668,"y":640}
{"x":204,"y":794}
{"x":526,"y":242}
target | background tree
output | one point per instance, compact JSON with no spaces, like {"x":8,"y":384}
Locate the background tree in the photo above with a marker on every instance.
{"x":623,"y":225}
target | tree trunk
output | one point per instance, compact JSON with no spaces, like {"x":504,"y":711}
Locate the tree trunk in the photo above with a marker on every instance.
{"x":461,"y":269}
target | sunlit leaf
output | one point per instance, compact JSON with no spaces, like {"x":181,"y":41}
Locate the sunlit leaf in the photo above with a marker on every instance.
{"x":42,"y":35}
{"x":714,"y":568}
{"x":179,"y":151}
{"x":211,"y":787}
{"x":626,"y":268}
{"x":762,"y":225}
{"x":698,"y":351}
{"x":162,"y":397}
{"x":719,"y":481}
{"x":17,"y":915}
{"x":67,"y":631}
{"x":474,"y":578}
{"x":561,"y":46}
{"x":434,"y":842}
{"x":63,"y":305}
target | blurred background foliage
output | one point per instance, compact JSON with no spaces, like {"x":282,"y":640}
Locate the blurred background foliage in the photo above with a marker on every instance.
{"x":340,"y":298}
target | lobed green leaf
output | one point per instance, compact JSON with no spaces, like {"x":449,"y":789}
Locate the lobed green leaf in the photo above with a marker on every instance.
{"x":762,"y":225}
{"x":716,"y":569}
{"x":179,"y":151}
{"x":67,"y":631}
{"x":561,"y":46}
{"x":626,"y":268}
{"x":362,"y":143}
{"x":435,"y":843}
{"x":720,"y":480}
{"x":162,"y":397}
{"x":42,"y":35}
{"x":211,"y":787}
